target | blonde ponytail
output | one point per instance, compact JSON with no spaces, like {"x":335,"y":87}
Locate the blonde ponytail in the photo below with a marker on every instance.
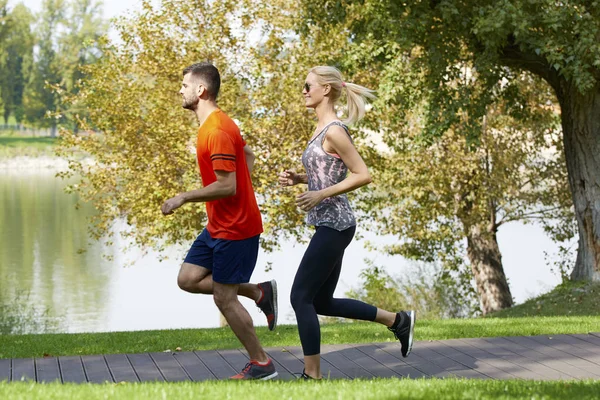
{"x":356,"y":94}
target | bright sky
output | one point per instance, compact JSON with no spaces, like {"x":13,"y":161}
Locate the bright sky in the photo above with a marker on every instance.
{"x":112,"y":8}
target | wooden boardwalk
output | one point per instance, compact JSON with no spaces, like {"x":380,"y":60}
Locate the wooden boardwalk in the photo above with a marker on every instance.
{"x":532,"y":357}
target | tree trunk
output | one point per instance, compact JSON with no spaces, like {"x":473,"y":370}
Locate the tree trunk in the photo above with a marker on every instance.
{"x":580,"y":117}
{"x":486,"y":264}
{"x":581,"y":136}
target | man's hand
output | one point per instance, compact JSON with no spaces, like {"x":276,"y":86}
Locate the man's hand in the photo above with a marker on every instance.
{"x":172,"y":204}
{"x":289,"y":178}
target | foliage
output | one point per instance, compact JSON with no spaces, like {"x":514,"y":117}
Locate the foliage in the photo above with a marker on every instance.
{"x":568,"y":298}
{"x":15,"y":63}
{"x":424,"y":50}
{"x":144,"y":151}
{"x":19,"y":316}
{"x":444,"y":187}
{"x":64,"y":35}
{"x":440,"y":36}
{"x":431,"y":292}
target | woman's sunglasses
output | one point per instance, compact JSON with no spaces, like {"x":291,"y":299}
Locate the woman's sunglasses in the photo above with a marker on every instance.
{"x":307,"y":87}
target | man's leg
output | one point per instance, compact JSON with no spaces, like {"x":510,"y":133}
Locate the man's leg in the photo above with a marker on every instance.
{"x":196,"y":273}
{"x":196,"y":279}
{"x":239,"y":320}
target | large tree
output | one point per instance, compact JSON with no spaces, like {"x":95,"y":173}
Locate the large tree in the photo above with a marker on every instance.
{"x":557,"y":41}
{"x":41,"y":99}
{"x":451,"y":197}
{"x":143,"y":151}
{"x":78,"y":47}
{"x":17,"y":60}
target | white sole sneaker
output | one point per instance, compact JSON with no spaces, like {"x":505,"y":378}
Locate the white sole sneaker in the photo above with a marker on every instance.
{"x":412,"y":329}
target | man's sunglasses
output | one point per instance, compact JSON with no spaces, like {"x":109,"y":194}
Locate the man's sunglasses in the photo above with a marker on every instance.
{"x":307,"y":87}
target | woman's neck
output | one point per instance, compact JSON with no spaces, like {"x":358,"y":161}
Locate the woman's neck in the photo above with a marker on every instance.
{"x":325,"y":114}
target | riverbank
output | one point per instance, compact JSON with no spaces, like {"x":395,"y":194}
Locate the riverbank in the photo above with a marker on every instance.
{"x":44,"y":162}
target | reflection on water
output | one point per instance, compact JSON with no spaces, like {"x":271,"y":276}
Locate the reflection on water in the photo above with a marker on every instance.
{"x":44,"y":250}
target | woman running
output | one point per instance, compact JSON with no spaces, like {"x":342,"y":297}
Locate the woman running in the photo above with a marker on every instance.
{"x":327,"y":158}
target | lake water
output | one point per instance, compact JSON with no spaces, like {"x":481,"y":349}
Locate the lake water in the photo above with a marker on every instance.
{"x":45,"y":250}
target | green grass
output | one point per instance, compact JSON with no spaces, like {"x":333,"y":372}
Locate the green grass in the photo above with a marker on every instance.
{"x":569,"y":298}
{"x":446,"y":389}
{"x":14,"y":146}
{"x":14,"y":346}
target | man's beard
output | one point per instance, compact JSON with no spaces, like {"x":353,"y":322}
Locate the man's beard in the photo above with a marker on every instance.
{"x":190,"y":104}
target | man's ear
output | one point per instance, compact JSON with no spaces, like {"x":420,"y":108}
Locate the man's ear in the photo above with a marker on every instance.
{"x":200,"y":90}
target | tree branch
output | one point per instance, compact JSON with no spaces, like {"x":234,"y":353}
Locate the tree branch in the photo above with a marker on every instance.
{"x":513,"y":56}
{"x":531,"y":215}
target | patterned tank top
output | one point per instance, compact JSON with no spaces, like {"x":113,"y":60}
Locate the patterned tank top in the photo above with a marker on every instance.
{"x":324,"y":170}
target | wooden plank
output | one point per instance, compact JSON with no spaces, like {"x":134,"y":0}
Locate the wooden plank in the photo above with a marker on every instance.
{"x":398,"y":366}
{"x":145,"y":368}
{"x":565,"y":354}
{"x":328,"y":371}
{"x":539,"y":352}
{"x":571,"y":340}
{"x":369,"y":364}
{"x":96,"y":369}
{"x":23,"y":369}
{"x":531,"y":359}
{"x":332,"y":354}
{"x":592,"y":339}
{"x":46,"y":370}
{"x":71,"y":369}
{"x":415,"y":360}
{"x":462,"y":355}
{"x":234,"y":358}
{"x":120,"y":368}
{"x":287,"y":361}
{"x":193,"y":366}
{"x":432,"y":351}
{"x":517,"y":365}
{"x":5,"y":367}
{"x":217,"y":365}
{"x":169,"y":367}
{"x":592,"y":352}
{"x":504,"y":369}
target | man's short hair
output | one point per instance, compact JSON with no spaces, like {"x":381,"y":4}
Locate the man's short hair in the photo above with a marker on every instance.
{"x":209,"y":75}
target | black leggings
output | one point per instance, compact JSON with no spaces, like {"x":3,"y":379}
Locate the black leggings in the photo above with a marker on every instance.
{"x":315,"y":282}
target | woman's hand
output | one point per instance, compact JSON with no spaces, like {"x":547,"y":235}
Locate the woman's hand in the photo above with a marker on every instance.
{"x":289,"y":178}
{"x":308,"y":200}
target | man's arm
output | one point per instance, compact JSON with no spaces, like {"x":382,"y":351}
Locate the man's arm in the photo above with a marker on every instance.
{"x":224,"y":186}
{"x":250,"y":157}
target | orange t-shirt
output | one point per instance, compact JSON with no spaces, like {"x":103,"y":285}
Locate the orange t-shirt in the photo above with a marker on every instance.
{"x":220,"y":146}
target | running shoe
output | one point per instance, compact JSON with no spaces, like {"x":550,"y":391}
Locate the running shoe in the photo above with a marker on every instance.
{"x":268,"y":302}
{"x":253,"y":370}
{"x":404,"y":331}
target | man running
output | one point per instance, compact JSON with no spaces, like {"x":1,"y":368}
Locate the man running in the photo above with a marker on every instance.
{"x":222,"y":259}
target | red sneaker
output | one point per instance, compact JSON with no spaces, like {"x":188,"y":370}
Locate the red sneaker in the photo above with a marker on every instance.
{"x":268,"y":302}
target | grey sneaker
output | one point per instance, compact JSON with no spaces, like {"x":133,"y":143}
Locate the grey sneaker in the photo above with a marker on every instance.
{"x":404,"y":331}
{"x":255,"y":371}
{"x":268,"y":302}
